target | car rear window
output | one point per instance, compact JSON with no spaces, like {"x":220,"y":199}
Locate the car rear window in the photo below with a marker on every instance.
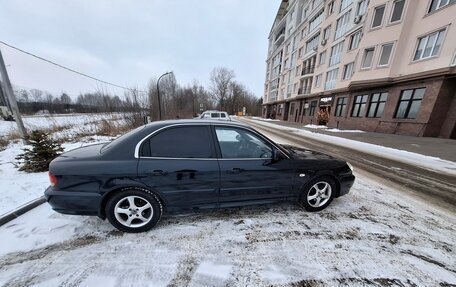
{"x":120,"y":140}
{"x":180,"y":142}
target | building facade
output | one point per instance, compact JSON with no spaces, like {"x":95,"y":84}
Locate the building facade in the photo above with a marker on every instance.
{"x":377,"y":65}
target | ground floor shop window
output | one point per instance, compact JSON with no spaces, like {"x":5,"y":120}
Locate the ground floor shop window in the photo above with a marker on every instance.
{"x":377,"y":105}
{"x":313,"y":106}
{"x":359,"y":106}
{"x":409,"y":103}
{"x":341,"y":107}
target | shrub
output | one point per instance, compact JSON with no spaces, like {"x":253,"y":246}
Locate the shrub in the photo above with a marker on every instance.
{"x":3,"y":143}
{"x":43,"y":151}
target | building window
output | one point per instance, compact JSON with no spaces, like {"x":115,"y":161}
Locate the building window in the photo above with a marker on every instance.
{"x":385,"y":54}
{"x":348,"y":70}
{"x":331,"y":79}
{"x":326,"y":32}
{"x":437,"y":4}
{"x":377,"y":105}
{"x":318,"y":80}
{"x":316,"y":21}
{"x":336,"y":52}
{"x":367,"y":59}
{"x":398,"y":8}
{"x":313,"y":106}
{"x":354,"y":40}
{"x":292,"y":108}
{"x":359,"y":106}
{"x":330,"y":8}
{"x":322,"y":58}
{"x":344,"y":4}
{"x":342,"y":25}
{"x":341,"y":107}
{"x":429,"y":45}
{"x":409,"y":103}
{"x":378,"y":16}
{"x":362,"y":7}
{"x":312,"y":43}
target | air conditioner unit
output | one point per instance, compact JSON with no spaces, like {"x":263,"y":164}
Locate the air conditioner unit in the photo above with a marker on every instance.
{"x":357,"y":19}
{"x":323,"y":42}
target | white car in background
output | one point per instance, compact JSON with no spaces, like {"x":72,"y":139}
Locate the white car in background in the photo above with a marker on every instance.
{"x":215,"y":115}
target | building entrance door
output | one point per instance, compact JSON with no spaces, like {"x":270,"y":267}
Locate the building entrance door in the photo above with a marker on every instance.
{"x":286,"y":111}
{"x":323,"y":115}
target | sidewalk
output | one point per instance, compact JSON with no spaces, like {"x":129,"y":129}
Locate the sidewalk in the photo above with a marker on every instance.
{"x":436,"y":147}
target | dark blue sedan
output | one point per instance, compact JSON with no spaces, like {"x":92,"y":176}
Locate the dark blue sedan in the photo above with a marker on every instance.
{"x":175,"y":166}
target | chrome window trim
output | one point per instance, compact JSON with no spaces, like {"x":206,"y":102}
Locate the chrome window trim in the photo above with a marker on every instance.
{"x":138,"y":145}
{"x":202,"y":158}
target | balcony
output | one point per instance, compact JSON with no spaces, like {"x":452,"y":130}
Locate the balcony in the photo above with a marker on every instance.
{"x":307,"y":70}
{"x":305,"y":90}
{"x":280,"y":38}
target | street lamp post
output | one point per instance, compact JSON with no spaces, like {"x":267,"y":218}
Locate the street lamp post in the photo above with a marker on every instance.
{"x":158,"y":95}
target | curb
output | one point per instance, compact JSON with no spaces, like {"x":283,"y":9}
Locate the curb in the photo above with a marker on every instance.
{"x":7,"y":217}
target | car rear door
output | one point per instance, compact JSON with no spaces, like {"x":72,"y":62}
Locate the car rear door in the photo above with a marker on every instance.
{"x":179,"y":163}
{"x":248,"y":172}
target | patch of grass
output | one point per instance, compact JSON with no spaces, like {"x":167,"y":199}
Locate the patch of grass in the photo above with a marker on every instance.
{"x":3,"y":143}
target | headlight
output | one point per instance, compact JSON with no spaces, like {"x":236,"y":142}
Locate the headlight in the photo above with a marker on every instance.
{"x":350,"y":166}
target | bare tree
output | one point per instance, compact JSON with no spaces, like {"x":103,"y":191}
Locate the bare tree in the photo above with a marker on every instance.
{"x":37,"y":95}
{"x":221,"y":78}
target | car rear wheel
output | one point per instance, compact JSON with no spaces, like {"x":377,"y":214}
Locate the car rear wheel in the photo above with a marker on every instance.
{"x":134,"y":210}
{"x":318,"y":194}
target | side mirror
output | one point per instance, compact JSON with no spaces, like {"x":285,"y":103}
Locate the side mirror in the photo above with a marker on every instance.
{"x":276,"y":155}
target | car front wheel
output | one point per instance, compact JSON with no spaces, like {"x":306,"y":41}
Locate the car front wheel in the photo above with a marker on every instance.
{"x":134,"y":210}
{"x":318,"y":194}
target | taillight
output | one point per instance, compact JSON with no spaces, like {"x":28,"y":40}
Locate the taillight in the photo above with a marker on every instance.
{"x":53,"y":179}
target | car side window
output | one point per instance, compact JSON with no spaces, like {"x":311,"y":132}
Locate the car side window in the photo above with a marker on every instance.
{"x":215,"y":115}
{"x":223,"y":115}
{"x":240,"y":143}
{"x":180,"y":142}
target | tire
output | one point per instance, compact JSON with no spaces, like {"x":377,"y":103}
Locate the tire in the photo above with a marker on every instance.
{"x":134,"y":210}
{"x":318,"y":194}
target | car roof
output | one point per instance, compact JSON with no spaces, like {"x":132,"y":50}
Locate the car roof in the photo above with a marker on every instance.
{"x":196,"y":121}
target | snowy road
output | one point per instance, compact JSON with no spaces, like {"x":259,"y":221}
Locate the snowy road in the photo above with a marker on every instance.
{"x":371,"y":237}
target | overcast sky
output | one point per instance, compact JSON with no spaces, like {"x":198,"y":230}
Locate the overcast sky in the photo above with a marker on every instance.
{"x":129,"y":42}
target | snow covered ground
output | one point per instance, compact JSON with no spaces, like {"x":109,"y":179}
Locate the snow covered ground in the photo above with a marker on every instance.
{"x":69,"y":124}
{"x":319,"y":127}
{"x":373,"y":236}
{"x":426,"y":162}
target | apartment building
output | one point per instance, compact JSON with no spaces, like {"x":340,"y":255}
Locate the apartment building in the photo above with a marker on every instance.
{"x":376,"y":65}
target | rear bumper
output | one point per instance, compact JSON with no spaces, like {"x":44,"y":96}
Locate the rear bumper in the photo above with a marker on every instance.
{"x":70,"y":202}
{"x":346,"y":182}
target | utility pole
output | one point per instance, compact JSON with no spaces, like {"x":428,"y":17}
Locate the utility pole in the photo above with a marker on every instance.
{"x":12,"y":99}
{"x":158,"y":95}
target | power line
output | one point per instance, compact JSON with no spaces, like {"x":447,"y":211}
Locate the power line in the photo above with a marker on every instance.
{"x":70,"y":69}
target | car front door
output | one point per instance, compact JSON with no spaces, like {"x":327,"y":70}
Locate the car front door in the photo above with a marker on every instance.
{"x":179,"y":163}
{"x":249,"y":170}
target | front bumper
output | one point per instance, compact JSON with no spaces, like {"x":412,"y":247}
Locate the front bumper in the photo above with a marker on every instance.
{"x":71,"y":202}
{"x":346,"y":182}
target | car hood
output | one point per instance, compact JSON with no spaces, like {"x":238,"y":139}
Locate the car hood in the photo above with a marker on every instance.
{"x":301,"y":153}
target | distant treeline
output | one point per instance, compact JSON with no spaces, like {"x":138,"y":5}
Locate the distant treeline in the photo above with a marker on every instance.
{"x":224,"y":93}
{"x":36,"y":101}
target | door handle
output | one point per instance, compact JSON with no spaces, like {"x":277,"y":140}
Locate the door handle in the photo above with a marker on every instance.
{"x":235,"y":170}
{"x":157,"y":172}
